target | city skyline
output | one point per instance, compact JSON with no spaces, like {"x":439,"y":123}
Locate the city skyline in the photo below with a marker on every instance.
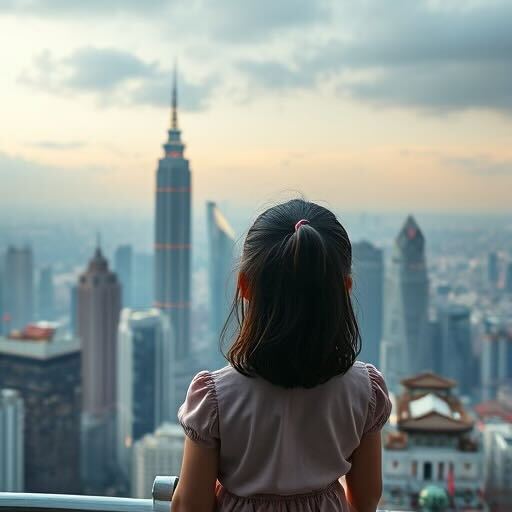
{"x":91,"y":111}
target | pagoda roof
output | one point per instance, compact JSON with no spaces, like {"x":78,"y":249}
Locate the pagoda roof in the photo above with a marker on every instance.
{"x":428,"y":380}
{"x":433,"y":421}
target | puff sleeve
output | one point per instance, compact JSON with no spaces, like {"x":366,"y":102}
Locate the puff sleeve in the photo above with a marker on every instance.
{"x":380,"y":405}
{"x":198,"y":415}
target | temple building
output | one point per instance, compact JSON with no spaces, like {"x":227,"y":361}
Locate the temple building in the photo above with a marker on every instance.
{"x":434,"y":444}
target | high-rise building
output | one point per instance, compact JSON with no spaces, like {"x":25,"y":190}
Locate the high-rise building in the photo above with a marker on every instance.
{"x":508,"y":277}
{"x":143,"y":281}
{"x":145,"y":397}
{"x":11,"y":441}
{"x":172,"y":235}
{"x":123,"y":267}
{"x":405,"y":348}
{"x":19,"y":287}
{"x":456,"y":347}
{"x":434,"y":446}
{"x":493,"y":269}
{"x":497,"y":438}
{"x":221,"y":241}
{"x":46,"y":295}
{"x":99,"y":305}
{"x":156,"y":454}
{"x":73,"y":309}
{"x":44,"y":368}
{"x":368,"y":271}
{"x":3,"y":316}
{"x":496,"y":360}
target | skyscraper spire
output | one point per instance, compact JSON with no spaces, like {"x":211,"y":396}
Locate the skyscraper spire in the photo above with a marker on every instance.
{"x":174,"y":111}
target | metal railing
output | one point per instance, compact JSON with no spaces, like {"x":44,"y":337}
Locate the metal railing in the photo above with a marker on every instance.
{"x":163,"y":489}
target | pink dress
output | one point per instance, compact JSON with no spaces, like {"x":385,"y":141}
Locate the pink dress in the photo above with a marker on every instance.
{"x":283,"y":449}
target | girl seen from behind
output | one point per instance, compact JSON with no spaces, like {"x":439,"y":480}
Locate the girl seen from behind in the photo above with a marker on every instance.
{"x":293,"y":411}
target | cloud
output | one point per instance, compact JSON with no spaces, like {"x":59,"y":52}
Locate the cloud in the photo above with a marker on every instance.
{"x":415,"y":54}
{"x":224,"y":20}
{"x":58,"y":145}
{"x":431,"y":55}
{"x":482,"y":166}
{"x":60,"y":8}
{"x":93,"y":69}
{"x":238,"y":21}
{"x":114,"y":77}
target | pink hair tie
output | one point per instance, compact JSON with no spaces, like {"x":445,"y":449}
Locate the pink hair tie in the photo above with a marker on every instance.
{"x":301,"y":223}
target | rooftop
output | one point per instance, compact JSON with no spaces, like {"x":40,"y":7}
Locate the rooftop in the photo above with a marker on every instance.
{"x":40,"y":331}
{"x":40,"y":348}
{"x":428,"y":405}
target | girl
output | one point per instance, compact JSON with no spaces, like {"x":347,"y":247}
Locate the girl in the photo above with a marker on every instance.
{"x":294,"y":411}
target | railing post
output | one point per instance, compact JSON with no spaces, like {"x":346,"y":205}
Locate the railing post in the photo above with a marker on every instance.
{"x":163,"y":489}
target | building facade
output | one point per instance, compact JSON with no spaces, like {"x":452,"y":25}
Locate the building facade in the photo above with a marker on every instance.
{"x":11,"y":441}
{"x":156,"y":454}
{"x":172,"y":235}
{"x":221,"y":243}
{"x":123,"y":267}
{"x":434,"y":444}
{"x":98,"y":310}
{"x":508,"y":277}
{"x":404,"y":347}
{"x":456,"y":345}
{"x":18,"y":288}
{"x":368,"y":272}
{"x":493,"y":268}
{"x":44,"y":369}
{"x":145,"y":395}
{"x":496,"y":358}
{"x":498,"y":465}
{"x":46,"y":295}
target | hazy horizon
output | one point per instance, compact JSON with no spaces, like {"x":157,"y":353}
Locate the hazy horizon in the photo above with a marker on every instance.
{"x":376,"y":107}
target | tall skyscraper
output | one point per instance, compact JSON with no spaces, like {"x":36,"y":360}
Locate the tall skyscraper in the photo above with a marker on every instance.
{"x":11,"y":441}
{"x":73,"y":309}
{"x":404,"y":346}
{"x":368,"y":271}
{"x":497,"y":438}
{"x":172,"y":235}
{"x":145,"y":397}
{"x":221,"y":241}
{"x":19,"y":287}
{"x":46,"y":295}
{"x":456,"y":347}
{"x":508,"y":277}
{"x":99,"y":305}
{"x":123,"y":267}
{"x":143,"y":281}
{"x":496,"y":361}
{"x":156,"y":454}
{"x":3,"y":316}
{"x":45,"y":369}
{"x":493,"y":269}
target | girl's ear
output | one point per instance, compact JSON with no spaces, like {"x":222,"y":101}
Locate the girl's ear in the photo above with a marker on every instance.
{"x":348,"y":283}
{"x":243,"y":286}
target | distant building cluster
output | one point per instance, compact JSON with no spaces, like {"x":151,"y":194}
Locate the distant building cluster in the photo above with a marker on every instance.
{"x":88,"y":399}
{"x":89,"y":392}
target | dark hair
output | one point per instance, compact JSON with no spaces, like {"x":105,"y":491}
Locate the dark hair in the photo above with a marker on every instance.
{"x":298,"y":328}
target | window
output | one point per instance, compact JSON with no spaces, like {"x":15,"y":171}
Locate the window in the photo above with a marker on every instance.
{"x":440,"y":471}
{"x":427,"y":471}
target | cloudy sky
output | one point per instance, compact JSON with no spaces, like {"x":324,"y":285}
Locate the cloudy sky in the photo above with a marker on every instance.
{"x":368,"y":105}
